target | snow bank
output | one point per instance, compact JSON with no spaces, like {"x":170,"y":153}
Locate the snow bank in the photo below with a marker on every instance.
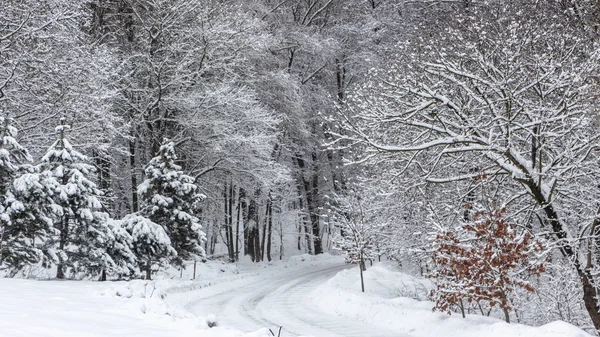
{"x":396,"y":301}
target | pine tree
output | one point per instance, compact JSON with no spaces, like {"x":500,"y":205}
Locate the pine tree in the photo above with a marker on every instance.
{"x":12,"y":155}
{"x":31,"y":210}
{"x":169,"y":199}
{"x":84,"y":234}
{"x":121,"y":249}
{"x":149,"y":242}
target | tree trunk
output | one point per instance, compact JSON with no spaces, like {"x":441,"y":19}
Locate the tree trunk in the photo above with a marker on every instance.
{"x":64,"y":235}
{"x":505,"y":310}
{"x":237,"y":229}
{"x":304,"y":191}
{"x":270,"y":229}
{"x":257,"y":255}
{"x":314,"y":212}
{"x":586,"y":278}
{"x":226,"y":220}
{"x":230,"y":224}
{"x":252,"y":230}
{"x":264,"y":233}
{"x":256,"y":229}
{"x":461,"y":305}
{"x":134,"y":182}
{"x":506,"y":315}
{"x":149,"y":269}
{"x":360,"y":267}
{"x":300,"y":236}
{"x":103,"y":165}
{"x":280,"y":240}
{"x":245,"y":211}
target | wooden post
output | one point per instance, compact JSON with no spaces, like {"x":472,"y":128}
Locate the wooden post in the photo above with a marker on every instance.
{"x":195,"y":270}
{"x":360,"y":266}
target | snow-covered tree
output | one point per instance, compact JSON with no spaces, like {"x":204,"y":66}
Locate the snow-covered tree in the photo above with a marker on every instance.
{"x":484,"y":260}
{"x":29,"y":238}
{"x":170,"y":199}
{"x":360,"y":229}
{"x":12,"y":155}
{"x":83,"y":228}
{"x":148,"y":241}
{"x":522,"y":113}
{"x":120,"y":247}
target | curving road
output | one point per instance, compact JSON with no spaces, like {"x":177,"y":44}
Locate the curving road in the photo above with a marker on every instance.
{"x":281,"y":300}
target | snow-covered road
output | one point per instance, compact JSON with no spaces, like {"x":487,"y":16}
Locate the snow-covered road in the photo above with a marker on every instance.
{"x":280,"y":299}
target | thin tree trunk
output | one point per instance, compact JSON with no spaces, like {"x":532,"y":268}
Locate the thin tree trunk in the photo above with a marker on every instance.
{"x":257,"y":244}
{"x":64,"y":230}
{"x":134,"y":182}
{"x":256,"y":229}
{"x":149,"y":269}
{"x":270,"y":229}
{"x":237,"y":229}
{"x":300,"y":236}
{"x":226,"y":220}
{"x":360,"y":267}
{"x":245,"y":211}
{"x":313,"y":204}
{"x":280,"y":240}
{"x":461,"y":305}
{"x":505,"y":310}
{"x":252,"y":230}
{"x":214,"y":238}
{"x":264,"y":232}
{"x":230,"y":225}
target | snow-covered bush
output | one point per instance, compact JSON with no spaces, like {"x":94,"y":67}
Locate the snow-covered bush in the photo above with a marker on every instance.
{"x":484,"y":261}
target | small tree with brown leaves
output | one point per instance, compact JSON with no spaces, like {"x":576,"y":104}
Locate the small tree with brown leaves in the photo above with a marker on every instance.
{"x":484,"y":261}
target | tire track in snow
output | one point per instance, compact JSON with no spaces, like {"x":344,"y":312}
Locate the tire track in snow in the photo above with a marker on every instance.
{"x":284,"y":300}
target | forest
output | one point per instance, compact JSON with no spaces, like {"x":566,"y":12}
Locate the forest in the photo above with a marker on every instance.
{"x":458,"y":138}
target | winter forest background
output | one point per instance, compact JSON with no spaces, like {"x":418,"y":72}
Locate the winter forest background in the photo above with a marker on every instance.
{"x":459,"y":138}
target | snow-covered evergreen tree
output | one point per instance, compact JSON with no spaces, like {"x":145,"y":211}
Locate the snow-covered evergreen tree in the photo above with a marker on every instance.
{"x":121,"y":249}
{"x":29,"y":238}
{"x":84,"y":234}
{"x":149,"y":242}
{"x":12,"y":154}
{"x":169,"y":199}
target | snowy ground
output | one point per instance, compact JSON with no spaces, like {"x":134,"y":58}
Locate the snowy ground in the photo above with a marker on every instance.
{"x":31,"y":308}
{"x":396,"y":301}
{"x":306,"y":295}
